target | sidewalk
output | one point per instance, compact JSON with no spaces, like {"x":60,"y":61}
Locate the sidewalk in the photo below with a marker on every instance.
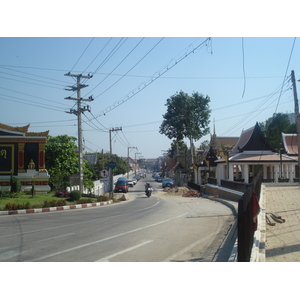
{"x":283,"y":239}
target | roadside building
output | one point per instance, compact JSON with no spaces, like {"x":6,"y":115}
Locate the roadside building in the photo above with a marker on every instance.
{"x":22,"y":155}
{"x":252,"y":154}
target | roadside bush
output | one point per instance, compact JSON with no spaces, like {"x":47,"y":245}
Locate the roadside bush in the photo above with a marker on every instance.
{"x":102,"y":198}
{"x":17,"y":206}
{"x":84,"y":201}
{"x":15,"y":185}
{"x":53,"y":203}
{"x":62,"y":193}
{"x":75,"y":195}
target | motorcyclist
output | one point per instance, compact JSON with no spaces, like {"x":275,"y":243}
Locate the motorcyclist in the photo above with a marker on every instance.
{"x":147,"y":185}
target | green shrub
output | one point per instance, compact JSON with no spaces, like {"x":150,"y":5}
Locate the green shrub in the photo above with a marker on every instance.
{"x":17,"y":206}
{"x":84,"y":200}
{"x":102,"y":198}
{"x":75,"y":195}
{"x":15,"y":185}
{"x":54,"y":203}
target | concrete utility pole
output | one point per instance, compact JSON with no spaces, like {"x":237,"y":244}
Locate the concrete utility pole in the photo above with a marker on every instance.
{"x":111,"y":169}
{"x":78,"y":113}
{"x":128,"y":159}
{"x":297,"y":118}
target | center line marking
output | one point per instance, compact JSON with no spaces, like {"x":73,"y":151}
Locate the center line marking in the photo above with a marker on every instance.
{"x":107,"y":258}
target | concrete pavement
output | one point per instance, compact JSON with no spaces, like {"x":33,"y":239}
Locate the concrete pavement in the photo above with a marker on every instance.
{"x":282,"y":239}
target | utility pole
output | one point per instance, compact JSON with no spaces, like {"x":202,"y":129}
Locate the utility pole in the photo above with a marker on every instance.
{"x":136,"y":163}
{"x":128,"y":159}
{"x":77,"y":87}
{"x":110,"y":152}
{"x":297,"y":118}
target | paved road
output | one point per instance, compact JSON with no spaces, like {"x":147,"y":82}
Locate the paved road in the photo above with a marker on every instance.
{"x":142,"y":229}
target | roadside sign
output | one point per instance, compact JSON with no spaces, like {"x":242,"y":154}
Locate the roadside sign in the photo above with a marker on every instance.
{"x":112,"y":164}
{"x":104,"y":173}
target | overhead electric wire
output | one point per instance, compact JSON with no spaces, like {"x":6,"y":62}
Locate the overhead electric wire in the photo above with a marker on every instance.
{"x":244,"y":73}
{"x":285,"y":74}
{"x":242,"y":121}
{"x":82,"y":54}
{"x":110,"y":55}
{"x":142,"y":86}
{"x":116,"y":68}
{"x":131,"y":68}
{"x":28,"y":82}
{"x":97,"y":56}
{"x":32,"y":96}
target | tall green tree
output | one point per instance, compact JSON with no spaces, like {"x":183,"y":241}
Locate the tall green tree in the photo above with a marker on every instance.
{"x":274,"y":126}
{"x":61,"y":160}
{"x":177,"y":148}
{"x":186,"y":117}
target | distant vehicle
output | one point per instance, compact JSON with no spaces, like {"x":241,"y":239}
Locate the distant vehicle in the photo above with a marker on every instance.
{"x":134,"y":180}
{"x":130,"y":183}
{"x":167,"y":182}
{"x":158,"y":179}
{"x":121,"y":185}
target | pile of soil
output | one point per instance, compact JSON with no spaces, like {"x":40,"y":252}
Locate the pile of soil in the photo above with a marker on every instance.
{"x":181,"y":191}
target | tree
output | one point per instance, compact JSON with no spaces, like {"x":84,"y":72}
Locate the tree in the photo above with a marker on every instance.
{"x":177,"y":148}
{"x":186,"y":117}
{"x":102,"y":163}
{"x":61,"y":160}
{"x":274,"y":126}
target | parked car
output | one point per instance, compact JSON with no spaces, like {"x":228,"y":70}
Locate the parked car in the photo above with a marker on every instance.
{"x":134,"y":180}
{"x":121,"y":185}
{"x":158,"y":179}
{"x":130,"y":183}
{"x":167,"y":182}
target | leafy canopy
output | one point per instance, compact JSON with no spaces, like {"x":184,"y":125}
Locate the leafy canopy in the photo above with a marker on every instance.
{"x":274,"y":126}
{"x":186,"y":116}
{"x":61,"y":159}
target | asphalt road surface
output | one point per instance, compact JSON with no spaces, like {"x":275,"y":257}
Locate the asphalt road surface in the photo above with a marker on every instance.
{"x":142,"y":229}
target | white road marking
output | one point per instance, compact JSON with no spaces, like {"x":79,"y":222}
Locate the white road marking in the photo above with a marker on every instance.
{"x":106,"y":239}
{"x":107,"y":258}
{"x":191,"y":246}
{"x":7,"y":253}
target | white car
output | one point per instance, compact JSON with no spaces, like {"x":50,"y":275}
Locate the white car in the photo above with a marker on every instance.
{"x":134,"y":180}
{"x":130,"y":183}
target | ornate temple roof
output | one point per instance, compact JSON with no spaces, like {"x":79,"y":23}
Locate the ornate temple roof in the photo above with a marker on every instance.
{"x":6,"y":130}
{"x":252,"y":139}
{"x":290,"y":142}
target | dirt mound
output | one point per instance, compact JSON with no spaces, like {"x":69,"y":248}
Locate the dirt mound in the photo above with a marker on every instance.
{"x":181,"y":191}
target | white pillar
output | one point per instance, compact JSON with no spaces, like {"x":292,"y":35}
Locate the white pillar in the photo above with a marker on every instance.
{"x":265,"y":171}
{"x":231,"y":172}
{"x":246,"y":173}
{"x":276,"y":172}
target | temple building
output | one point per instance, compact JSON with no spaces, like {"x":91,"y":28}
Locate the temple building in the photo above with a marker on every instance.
{"x":252,"y":153}
{"x":22,"y":155}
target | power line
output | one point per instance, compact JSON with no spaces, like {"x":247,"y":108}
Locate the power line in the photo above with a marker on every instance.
{"x":131,"y":68}
{"x":82,"y":54}
{"x":117,"y":67}
{"x":285,"y":74}
{"x":154,"y":78}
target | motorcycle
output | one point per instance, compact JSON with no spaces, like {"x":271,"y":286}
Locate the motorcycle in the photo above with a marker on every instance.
{"x":148,"y":191}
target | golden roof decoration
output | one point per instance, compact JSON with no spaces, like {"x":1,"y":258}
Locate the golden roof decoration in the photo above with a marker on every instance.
{"x":24,"y":129}
{"x":11,"y":128}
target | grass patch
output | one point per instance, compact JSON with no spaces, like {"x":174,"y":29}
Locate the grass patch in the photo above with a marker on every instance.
{"x":39,"y":200}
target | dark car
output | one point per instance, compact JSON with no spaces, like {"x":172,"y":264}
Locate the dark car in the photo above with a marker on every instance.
{"x":121,"y":186}
{"x":167,"y":182}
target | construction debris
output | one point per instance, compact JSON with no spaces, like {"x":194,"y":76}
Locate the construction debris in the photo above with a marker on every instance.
{"x":181,"y":191}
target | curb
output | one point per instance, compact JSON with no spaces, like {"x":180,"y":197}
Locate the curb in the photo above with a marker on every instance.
{"x":57,"y":208}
